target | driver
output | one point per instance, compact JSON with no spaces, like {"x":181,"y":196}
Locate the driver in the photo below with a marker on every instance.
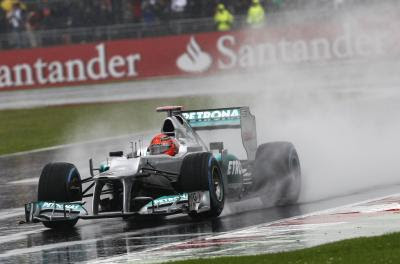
{"x":163,"y":144}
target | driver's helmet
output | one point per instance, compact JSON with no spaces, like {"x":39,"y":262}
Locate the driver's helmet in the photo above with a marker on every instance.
{"x":163,"y":144}
{"x":220,"y":7}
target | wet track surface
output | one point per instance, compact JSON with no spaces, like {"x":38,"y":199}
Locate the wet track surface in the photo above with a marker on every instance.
{"x":341,"y":76}
{"x":99,"y":239}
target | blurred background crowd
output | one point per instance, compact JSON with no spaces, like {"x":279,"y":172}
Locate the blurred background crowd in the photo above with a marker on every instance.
{"x":55,"y":14}
{"x":30,"y":16}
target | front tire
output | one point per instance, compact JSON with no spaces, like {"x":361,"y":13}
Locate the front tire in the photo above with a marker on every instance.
{"x":201,"y":172}
{"x":60,"y":182}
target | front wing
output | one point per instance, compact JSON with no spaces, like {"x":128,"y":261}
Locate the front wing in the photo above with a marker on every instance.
{"x":45,"y":211}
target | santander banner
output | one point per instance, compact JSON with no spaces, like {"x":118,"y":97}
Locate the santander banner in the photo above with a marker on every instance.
{"x":191,"y":55}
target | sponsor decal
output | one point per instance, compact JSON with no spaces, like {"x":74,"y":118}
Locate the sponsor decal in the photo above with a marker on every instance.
{"x":165,"y":200}
{"x":223,"y":114}
{"x":194,"y":60}
{"x":60,"y":206}
{"x":45,"y":72}
{"x":235,"y":52}
{"x":211,"y":52}
{"x":234,"y":168}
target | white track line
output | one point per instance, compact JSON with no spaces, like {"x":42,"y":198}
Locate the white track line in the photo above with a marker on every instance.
{"x":22,"y":235}
{"x":239,"y":231}
{"x":77,"y":144}
{"x":12,"y":212}
{"x":27,"y":181}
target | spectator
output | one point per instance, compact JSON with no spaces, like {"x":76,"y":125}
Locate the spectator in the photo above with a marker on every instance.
{"x":161,"y":10}
{"x":16,"y":20}
{"x":104,"y":12}
{"x":60,"y":14}
{"x":148,"y":12}
{"x":137,"y":10}
{"x":116,"y":16}
{"x":7,"y":5}
{"x":47,"y":18}
{"x":223,"y":18}
{"x":255,"y":14}
{"x":193,"y":9}
{"x":89,"y":17}
{"x":32,"y":24}
{"x":3,"y":21}
{"x":178,"y":7}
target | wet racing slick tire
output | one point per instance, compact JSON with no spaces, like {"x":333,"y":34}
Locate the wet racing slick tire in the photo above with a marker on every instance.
{"x":277,"y":171}
{"x":201,"y":172}
{"x":60,"y":182}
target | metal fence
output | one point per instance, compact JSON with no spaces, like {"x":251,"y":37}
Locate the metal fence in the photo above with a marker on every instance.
{"x":45,"y":38}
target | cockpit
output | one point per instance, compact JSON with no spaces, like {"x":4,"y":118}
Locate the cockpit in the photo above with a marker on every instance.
{"x":176,"y":126}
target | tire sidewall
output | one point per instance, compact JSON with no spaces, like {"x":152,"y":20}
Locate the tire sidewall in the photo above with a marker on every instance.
{"x":215,"y":204}
{"x":197,"y":175}
{"x":277,"y":169}
{"x":74,"y":178}
{"x":294,"y":183}
{"x":56,"y":181}
{"x":55,"y":184}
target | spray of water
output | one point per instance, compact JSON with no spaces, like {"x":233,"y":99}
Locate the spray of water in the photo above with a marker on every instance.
{"x":341,"y":114}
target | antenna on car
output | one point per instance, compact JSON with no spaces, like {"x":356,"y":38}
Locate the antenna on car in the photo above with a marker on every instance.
{"x":170,"y":109}
{"x":140,"y":147}
{"x":134,"y":149}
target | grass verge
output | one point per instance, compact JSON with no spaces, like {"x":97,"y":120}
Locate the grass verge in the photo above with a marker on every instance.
{"x":28,"y":129}
{"x":379,"y":249}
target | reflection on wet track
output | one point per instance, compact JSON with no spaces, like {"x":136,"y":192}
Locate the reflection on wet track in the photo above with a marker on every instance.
{"x":100,"y":240}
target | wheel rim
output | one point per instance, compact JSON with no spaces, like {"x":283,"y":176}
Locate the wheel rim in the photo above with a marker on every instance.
{"x":75,"y":189}
{"x":295,"y":175}
{"x":218,"y":188}
{"x":295,"y":168}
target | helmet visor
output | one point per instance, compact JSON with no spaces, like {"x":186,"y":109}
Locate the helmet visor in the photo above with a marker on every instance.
{"x":157,"y":149}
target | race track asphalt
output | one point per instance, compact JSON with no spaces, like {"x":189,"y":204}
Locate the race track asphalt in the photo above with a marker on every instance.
{"x":99,"y":240}
{"x":107,"y":238}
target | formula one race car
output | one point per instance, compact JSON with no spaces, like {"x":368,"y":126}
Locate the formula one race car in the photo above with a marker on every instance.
{"x":176,"y":173}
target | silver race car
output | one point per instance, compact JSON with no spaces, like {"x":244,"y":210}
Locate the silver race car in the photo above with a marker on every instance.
{"x":176,"y":173}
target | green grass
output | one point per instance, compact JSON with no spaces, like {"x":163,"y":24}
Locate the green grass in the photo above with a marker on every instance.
{"x":380,"y":249}
{"x":28,"y":129}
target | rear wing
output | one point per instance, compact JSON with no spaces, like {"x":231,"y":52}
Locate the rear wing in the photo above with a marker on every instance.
{"x":220,"y":118}
{"x":213,"y":118}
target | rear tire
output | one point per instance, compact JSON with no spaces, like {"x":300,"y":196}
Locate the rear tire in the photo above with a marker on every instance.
{"x":201,"y":172}
{"x":60,"y":182}
{"x":277,"y":169}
